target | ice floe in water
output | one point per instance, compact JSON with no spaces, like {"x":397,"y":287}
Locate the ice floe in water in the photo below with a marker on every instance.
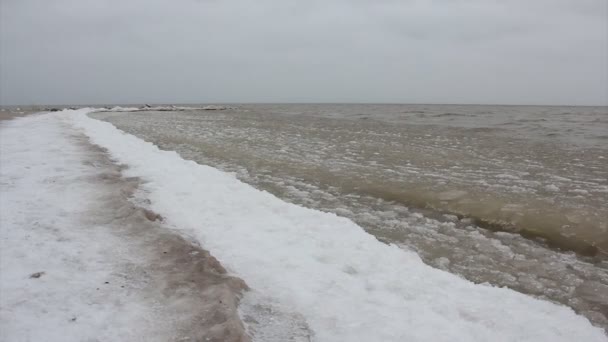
{"x":343,"y":282}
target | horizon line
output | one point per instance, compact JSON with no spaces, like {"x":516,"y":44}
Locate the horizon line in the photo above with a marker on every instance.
{"x":295,"y":103}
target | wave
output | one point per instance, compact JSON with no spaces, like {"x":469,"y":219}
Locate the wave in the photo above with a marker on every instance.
{"x":542,"y":225}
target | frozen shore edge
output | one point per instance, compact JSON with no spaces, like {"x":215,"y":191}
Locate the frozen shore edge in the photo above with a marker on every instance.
{"x":324,"y":269}
{"x":324,"y":266}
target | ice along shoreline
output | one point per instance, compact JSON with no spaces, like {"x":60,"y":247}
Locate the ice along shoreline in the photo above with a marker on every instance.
{"x":322,"y":265}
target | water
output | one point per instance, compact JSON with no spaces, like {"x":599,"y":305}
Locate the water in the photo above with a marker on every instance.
{"x":513,"y":196}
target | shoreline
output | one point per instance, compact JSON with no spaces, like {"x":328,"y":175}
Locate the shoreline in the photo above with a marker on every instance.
{"x":157,"y":211}
{"x":250,"y":227}
{"x":263,"y":151}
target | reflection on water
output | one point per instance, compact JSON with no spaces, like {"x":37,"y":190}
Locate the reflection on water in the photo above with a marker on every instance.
{"x":451,"y":182}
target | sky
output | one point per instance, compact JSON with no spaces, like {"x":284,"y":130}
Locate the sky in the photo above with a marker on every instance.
{"x":339,"y":51}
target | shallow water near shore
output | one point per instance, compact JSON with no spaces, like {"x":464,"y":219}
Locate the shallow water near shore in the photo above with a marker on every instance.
{"x":513,"y":196}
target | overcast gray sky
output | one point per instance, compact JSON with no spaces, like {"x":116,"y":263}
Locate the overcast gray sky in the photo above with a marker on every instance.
{"x":200,"y":51}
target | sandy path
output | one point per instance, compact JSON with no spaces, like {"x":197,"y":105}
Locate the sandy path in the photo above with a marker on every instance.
{"x":79,"y":261}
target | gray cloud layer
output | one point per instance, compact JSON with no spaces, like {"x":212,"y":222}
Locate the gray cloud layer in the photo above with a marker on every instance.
{"x":433,"y":51}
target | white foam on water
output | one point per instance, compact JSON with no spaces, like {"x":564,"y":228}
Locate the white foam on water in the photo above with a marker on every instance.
{"x":347,"y":285}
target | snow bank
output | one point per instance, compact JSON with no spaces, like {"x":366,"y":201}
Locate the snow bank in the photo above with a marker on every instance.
{"x":346,"y":284}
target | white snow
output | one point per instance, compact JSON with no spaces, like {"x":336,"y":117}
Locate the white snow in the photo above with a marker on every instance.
{"x":47,"y":192}
{"x":346,"y":284}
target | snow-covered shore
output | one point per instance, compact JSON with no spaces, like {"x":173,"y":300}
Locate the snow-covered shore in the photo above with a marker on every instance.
{"x":317,"y":267}
{"x":79,"y":262}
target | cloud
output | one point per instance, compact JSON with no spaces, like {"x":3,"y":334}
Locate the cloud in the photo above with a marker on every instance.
{"x":457,"y":51}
